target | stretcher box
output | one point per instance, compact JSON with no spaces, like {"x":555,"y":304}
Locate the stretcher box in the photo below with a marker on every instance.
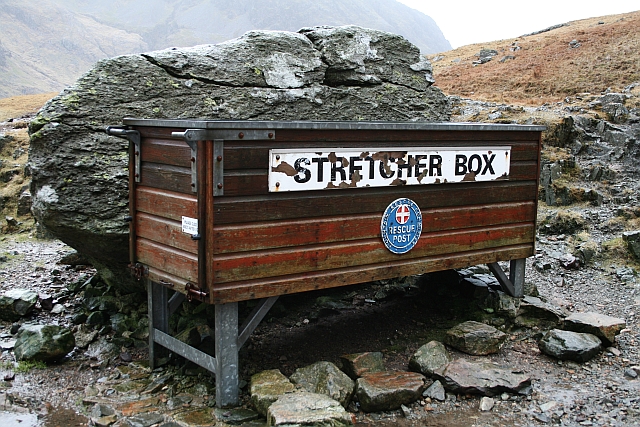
{"x":227,"y":211}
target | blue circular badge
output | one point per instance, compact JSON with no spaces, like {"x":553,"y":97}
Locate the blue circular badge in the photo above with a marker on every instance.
{"x":401,"y":226}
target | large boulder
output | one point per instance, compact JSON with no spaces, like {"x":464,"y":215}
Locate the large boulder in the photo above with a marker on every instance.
{"x":79,"y":184}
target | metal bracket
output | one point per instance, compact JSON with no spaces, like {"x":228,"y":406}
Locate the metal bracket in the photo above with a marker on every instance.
{"x":218,"y":167}
{"x":195,"y":293}
{"x":193,"y":135}
{"x":194,"y":167}
{"x":134,"y":137}
{"x":139,"y":270}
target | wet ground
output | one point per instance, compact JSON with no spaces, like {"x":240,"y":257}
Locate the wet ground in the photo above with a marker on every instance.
{"x":305,"y":328}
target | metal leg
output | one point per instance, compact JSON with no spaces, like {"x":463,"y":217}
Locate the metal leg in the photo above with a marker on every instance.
{"x":157,"y":297}
{"x":226,"y":329}
{"x":256,"y":316}
{"x":504,"y":281}
{"x":516,"y":276}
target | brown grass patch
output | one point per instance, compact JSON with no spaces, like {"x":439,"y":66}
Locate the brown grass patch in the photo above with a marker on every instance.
{"x":546,"y":68}
{"x":18,"y":106}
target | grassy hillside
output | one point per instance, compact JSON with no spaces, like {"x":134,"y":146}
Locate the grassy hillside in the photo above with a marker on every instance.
{"x":589,"y":55}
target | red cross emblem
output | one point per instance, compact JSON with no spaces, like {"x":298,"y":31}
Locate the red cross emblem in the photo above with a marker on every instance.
{"x":402,"y":214}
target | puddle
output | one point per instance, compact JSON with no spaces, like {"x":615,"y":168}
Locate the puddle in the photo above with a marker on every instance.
{"x":55,"y":418}
{"x":58,"y":417}
{"x":12,"y":419}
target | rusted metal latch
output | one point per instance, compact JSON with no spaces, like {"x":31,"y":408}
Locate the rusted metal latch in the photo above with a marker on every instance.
{"x":138,"y":270}
{"x":195,"y":293}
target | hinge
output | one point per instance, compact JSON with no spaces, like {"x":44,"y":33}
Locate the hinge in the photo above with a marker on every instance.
{"x":195,"y":293}
{"x":134,"y":137}
{"x":139,"y":270}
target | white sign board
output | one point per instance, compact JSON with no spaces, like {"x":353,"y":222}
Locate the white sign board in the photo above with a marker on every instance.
{"x":345,"y":168}
{"x":189,"y":225}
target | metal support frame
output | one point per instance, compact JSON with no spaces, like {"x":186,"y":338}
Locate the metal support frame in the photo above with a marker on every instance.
{"x":229,"y":338}
{"x":514,"y":284}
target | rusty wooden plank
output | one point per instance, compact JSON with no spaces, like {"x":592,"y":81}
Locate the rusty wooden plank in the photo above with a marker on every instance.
{"x":158,"y":132}
{"x":170,"y":260}
{"x":166,"y":204}
{"x":175,"y":283}
{"x":281,"y":262}
{"x":255,"y":154}
{"x":253,"y":182}
{"x":403,"y":135}
{"x":362,"y":201}
{"x":265,"y":288}
{"x":164,"y":231}
{"x":272,"y":235}
{"x":166,"y":177}
{"x":166,"y":151}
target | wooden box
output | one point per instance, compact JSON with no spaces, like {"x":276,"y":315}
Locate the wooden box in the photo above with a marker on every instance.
{"x":219,"y":215}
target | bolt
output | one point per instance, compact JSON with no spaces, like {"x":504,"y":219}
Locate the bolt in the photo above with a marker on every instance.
{"x":220,"y":186}
{"x":270,"y":135}
{"x":277,"y":156}
{"x":193,"y":159}
{"x":277,"y":184}
{"x":137,"y":153}
{"x":241,"y":135}
{"x":137,"y":175}
{"x":219,"y":158}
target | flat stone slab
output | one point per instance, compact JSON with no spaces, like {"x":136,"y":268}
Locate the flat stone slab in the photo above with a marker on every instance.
{"x":387,"y":391}
{"x":475,"y":338}
{"x":485,"y":378}
{"x":568,"y":345}
{"x":307,"y":409}
{"x":430,"y":358}
{"x":357,"y":364}
{"x":535,"y":312}
{"x":266,"y":387}
{"x":325,"y":378}
{"x":604,"y":327}
{"x":235,"y":416}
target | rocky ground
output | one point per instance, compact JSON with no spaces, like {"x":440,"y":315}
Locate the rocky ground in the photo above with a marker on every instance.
{"x":583,"y":264}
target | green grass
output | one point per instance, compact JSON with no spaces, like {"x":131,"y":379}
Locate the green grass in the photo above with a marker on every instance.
{"x":27,"y":365}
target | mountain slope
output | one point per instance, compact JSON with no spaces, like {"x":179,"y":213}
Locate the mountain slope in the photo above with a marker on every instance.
{"x":48,"y":44}
{"x":589,"y":55}
{"x":44,"y":47}
{"x":165,"y":23}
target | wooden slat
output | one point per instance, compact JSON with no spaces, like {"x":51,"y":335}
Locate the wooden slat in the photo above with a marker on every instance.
{"x":255,"y":154}
{"x":166,"y":177}
{"x":264,"y":288}
{"x":362,"y":201}
{"x":166,"y":151}
{"x":166,"y":204}
{"x":164,"y":231}
{"x":175,"y":283}
{"x":170,"y":260}
{"x":401,"y":136}
{"x":255,"y":182}
{"x":236,"y":267}
{"x":158,"y":132}
{"x":272,"y":235}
